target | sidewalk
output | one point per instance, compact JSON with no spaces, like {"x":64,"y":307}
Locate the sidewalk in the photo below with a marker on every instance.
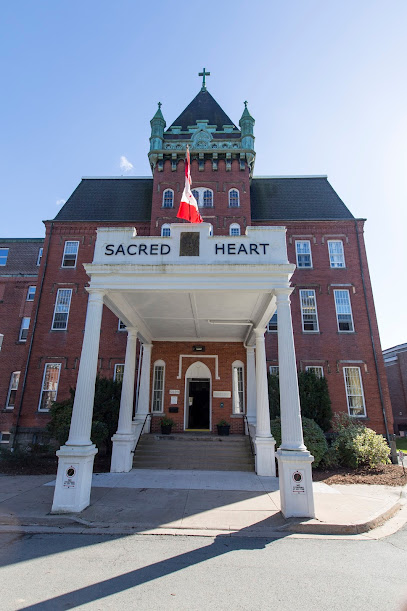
{"x":195,"y":503}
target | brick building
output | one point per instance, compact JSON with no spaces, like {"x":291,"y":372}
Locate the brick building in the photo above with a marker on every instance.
{"x":395,"y":362}
{"x":119,"y":232}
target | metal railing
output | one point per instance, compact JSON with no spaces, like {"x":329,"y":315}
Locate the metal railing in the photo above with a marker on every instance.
{"x":248,"y":433}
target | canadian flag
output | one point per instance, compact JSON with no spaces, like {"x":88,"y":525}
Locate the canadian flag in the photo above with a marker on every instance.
{"x":188,"y":208}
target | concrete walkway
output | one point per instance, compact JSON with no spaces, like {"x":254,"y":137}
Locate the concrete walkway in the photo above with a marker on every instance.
{"x":196,"y":503}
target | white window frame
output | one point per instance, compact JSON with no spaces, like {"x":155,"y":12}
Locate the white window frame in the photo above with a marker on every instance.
{"x":24,"y":327}
{"x":172,"y":198}
{"x":238,"y":387}
{"x":159,"y":391}
{"x":12,"y":386}
{"x":269,"y":329}
{"x":40,"y":251}
{"x":1,"y":437}
{"x":230,"y":196}
{"x":70,"y":254}
{"x":303,"y":308}
{"x":300,"y":265}
{"x":57,"y":306}
{"x":121,"y":326}
{"x":166,"y":227}
{"x":200,"y":191}
{"x":4,"y":255}
{"x":318,"y":370}
{"x":336,"y":260}
{"x":232,"y":228}
{"x":338,"y":313}
{"x":57,"y":366}
{"x":348,"y":395}
{"x":274,"y":370}
{"x":31,"y":293}
{"x":115,"y":372}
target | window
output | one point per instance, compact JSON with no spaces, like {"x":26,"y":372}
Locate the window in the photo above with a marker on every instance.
{"x":354,"y":391}
{"x":272,"y":326}
{"x":70,"y":254}
{"x":336,"y":254}
{"x":12,"y":391}
{"x":31,"y":293}
{"x":238,"y":387}
{"x":118,"y":372}
{"x":41,"y":250}
{"x":4,"y":437}
{"x":122,"y":326}
{"x":25,"y":323}
{"x":49,"y":385}
{"x":3,"y":256}
{"x":158,"y":387}
{"x":61,"y":311}
{"x":316,"y":370}
{"x":234,"y":198}
{"x":343,"y":311}
{"x":234,"y":229}
{"x":165,"y":230}
{"x":273,"y":370}
{"x":309,"y":310}
{"x":207,"y":199}
{"x":204,"y":197}
{"x":168,"y":198}
{"x":303,"y":253}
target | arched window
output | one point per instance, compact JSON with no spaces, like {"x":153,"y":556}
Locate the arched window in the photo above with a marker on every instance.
{"x":203,"y":196}
{"x":165,"y":230}
{"x":195,"y":193}
{"x":157,"y":403}
{"x":168,"y":198}
{"x":234,"y":229}
{"x":238,"y":387}
{"x":234,"y":201}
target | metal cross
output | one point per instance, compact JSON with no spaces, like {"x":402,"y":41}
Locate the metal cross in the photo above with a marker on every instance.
{"x":245,"y":103}
{"x":159,"y":105}
{"x":204,"y":74}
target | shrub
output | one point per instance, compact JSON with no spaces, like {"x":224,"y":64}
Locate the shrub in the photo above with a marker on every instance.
{"x":314,"y":438}
{"x":356,"y":445}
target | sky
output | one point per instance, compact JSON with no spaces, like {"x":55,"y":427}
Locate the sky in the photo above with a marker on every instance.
{"x":325,"y":81}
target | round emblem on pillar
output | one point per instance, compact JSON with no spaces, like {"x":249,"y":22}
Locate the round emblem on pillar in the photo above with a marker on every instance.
{"x":297,"y":477}
{"x":70,"y":472}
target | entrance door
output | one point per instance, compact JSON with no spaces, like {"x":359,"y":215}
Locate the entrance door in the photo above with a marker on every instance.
{"x":198,"y":404}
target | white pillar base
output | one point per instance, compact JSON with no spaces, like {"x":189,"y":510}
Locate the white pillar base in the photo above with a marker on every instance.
{"x":138,"y":422}
{"x":265,"y":456}
{"x":74,"y":478}
{"x":122,"y":453}
{"x":295,"y":478}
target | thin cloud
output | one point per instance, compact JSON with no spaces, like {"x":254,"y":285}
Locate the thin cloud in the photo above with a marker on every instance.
{"x":60,"y":202}
{"x":125,"y":165}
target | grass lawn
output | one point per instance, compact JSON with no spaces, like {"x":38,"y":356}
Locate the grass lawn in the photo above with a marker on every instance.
{"x":401,"y":444}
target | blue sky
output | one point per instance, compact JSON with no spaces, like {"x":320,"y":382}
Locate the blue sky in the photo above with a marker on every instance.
{"x":326,"y":83}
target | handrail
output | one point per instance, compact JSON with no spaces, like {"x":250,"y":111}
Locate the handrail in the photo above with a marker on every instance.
{"x":250,"y":437}
{"x":141,"y":432}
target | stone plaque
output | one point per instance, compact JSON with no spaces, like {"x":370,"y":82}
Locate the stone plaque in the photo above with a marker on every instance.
{"x":174,"y":392}
{"x":222,"y":394}
{"x":189,"y":244}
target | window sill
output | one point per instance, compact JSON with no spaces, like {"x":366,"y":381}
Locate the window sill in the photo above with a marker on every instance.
{"x":58,"y":330}
{"x":161,"y":414}
{"x":42,"y":411}
{"x":167,"y":207}
{"x":346,"y":332}
{"x":21,"y":341}
{"x":311,"y":332}
{"x":8,"y":410}
{"x":240,"y":416}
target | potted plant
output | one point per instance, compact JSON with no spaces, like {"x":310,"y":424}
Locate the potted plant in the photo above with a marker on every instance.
{"x":223,"y":427}
{"x":166,"y":425}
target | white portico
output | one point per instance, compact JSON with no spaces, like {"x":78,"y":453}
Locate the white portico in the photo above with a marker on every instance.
{"x":191,"y":286}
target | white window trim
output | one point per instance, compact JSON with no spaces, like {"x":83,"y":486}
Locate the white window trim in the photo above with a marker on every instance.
{"x":343,"y":254}
{"x":234,"y":226}
{"x":119,"y":328}
{"x":115,"y":370}
{"x":55,"y":312}
{"x":310,"y":254}
{"x":158,"y":363}
{"x":363,"y":393}
{"x":310,"y":367}
{"x":268,"y":325}
{"x":238,"y":197}
{"x":201,"y":191}
{"x":237,"y":365}
{"x":11,"y":407}
{"x":274,"y":373}
{"x":350,"y":307}
{"x":316,"y":311}
{"x":21,"y":339}
{"x":1,"y":437}
{"x":42,"y":384}
{"x":76,"y":256}
{"x":32,"y":286}
{"x":39,"y":257}
{"x":165,"y":226}
{"x":172,"y":193}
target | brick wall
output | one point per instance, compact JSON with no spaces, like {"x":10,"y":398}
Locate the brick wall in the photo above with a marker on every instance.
{"x":397,"y":380}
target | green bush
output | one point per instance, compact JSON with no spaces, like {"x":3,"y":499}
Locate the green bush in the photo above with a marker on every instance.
{"x":314,"y":438}
{"x":356,"y":445}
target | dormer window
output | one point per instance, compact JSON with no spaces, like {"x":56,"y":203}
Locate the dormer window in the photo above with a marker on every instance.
{"x":168,"y":198}
{"x":165,"y":230}
{"x":234,"y":229}
{"x":204,"y":197}
{"x":234,"y":201}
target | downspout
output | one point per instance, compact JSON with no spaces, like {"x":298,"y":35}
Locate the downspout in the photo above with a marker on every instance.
{"x":371,"y":334}
{"x":31,"y":341}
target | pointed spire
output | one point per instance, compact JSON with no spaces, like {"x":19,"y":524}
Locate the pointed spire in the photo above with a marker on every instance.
{"x":246,"y":113}
{"x":158,"y":114}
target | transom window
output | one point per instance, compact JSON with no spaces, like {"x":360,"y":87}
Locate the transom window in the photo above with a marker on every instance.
{"x":336,"y":254}
{"x":168,"y":198}
{"x":317,"y":370}
{"x":122,"y":326}
{"x":234,"y":229}
{"x":303,"y":253}
{"x":203,"y":196}
{"x":165,"y":230}
{"x":70,"y":254}
{"x":118,"y":372}
{"x":41,"y":250}
{"x":238,"y":387}
{"x":272,"y":325}
{"x":12,"y":391}
{"x":31,"y":293}
{"x":234,"y":201}
{"x":49,"y":386}
{"x":309,"y":310}
{"x":354,"y":391}
{"x":274,"y":370}
{"x":3,"y":256}
{"x":25,"y":323}
{"x":343,"y":311}
{"x":158,"y":387}
{"x":61,"y":310}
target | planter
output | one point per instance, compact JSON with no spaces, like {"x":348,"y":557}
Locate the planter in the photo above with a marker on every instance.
{"x":166,"y":429}
{"x":223,"y":429}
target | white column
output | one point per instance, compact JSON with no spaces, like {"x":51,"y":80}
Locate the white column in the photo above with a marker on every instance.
{"x":123,"y":440}
{"x":143,"y":405}
{"x":75,"y":458}
{"x":294,"y":460}
{"x":251,"y":385}
{"x":264,"y":441}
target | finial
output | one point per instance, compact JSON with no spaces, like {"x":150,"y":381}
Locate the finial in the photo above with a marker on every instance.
{"x":159,"y":105}
{"x":245,"y":103}
{"x":204,"y":74}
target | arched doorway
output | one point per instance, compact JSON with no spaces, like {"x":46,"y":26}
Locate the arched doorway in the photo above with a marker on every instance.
{"x":197,"y":397}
